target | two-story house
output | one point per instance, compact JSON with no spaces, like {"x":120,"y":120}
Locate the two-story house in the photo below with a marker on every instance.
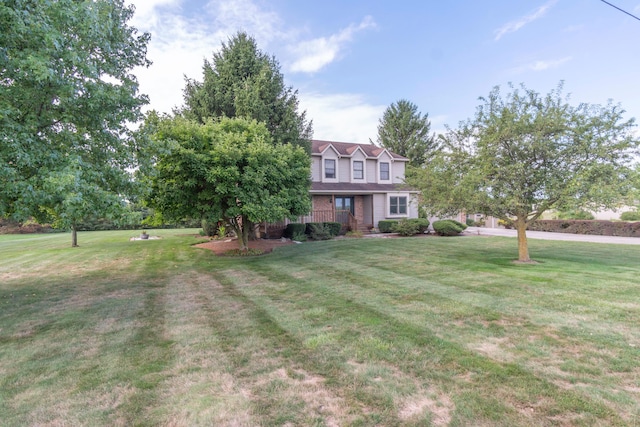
{"x":359,"y":185}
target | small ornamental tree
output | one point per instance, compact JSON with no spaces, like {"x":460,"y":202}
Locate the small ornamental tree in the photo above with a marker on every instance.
{"x":524,"y":154}
{"x":227,"y":170}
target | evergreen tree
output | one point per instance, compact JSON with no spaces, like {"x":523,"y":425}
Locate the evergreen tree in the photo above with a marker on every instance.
{"x":405,"y":131}
{"x":242,"y":81}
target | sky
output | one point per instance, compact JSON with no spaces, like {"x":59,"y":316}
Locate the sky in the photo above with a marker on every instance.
{"x":350,"y":59}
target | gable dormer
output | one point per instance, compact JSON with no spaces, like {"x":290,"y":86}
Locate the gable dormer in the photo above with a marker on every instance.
{"x":384,"y":173}
{"x":358,"y":163}
{"x":329,"y":164}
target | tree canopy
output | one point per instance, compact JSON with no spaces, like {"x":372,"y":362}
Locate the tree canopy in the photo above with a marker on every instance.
{"x":227,"y":170}
{"x":525,"y":153}
{"x":403,"y":130}
{"x":66,"y":95}
{"x":243,"y":81}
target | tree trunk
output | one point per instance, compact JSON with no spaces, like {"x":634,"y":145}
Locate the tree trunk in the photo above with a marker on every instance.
{"x":74,"y":236}
{"x":523,"y":247}
{"x":243,"y":235}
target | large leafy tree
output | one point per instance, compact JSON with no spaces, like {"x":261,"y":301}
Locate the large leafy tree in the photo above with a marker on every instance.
{"x":404,"y":130}
{"x":242,"y":81}
{"x":227,"y":170}
{"x":525,"y":153}
{"x":66,"y":95}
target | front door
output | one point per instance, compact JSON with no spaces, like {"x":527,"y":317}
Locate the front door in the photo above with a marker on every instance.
{"x":344,"y":207}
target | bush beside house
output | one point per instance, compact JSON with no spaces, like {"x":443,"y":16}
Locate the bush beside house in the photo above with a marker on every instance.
{"x":448,"y":227}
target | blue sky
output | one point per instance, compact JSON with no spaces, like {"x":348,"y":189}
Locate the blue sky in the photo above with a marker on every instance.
{"x":350,"y":59}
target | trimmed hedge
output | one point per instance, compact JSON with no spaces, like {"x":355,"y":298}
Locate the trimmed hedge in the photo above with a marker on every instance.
{"x":293,"y":229}
{"x":597,"y":228}
{"x":448,"y":227}
{"x":386,"y":225}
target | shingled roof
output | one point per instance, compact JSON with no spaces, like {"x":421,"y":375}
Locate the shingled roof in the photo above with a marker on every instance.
{"x":346,"y":149}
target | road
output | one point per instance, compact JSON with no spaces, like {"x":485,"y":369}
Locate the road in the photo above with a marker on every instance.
{"x":554,"y":236}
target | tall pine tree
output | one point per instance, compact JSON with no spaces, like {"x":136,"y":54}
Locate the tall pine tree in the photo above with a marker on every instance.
{"x":243,"y":81}
{"x":405,"y":131}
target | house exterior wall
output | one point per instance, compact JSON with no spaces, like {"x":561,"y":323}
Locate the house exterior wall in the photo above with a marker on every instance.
{"x":367,"y":211}
{"x":398,"y":172}
{"x":379,"y":208}
{"x":358,"y":202}
{"x":371,"y":203}
{"x":372,"y":171}
{"x":316,"y":169}
{"x":344,"y":173}
{"x":321,"y":203}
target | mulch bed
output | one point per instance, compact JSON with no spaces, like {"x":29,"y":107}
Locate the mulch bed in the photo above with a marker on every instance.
{"x":222,"y":246}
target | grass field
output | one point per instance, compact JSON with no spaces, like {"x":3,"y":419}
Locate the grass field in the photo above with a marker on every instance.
{"x":413,"y":331}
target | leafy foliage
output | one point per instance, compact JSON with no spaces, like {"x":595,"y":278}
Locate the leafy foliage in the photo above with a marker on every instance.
{"x":406,"y":228}
{"x":243,"y":81}
{"x":575,"y":214}
{"x":227,"y":171}
{"x":630,"y":216}
{"x":524,"y":153}
{"x":405,"y":131}
{"x":386,"y":225}
{"x":448,"y":227}
{"x":66,"y":94}
{"x":410,"y":227}
{"x":320,"y":231}
{"x":294,"y":228}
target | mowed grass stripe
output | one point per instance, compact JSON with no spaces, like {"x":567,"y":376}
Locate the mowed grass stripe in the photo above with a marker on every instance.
{"x":384,"y":338}
{"x":324,"y":333}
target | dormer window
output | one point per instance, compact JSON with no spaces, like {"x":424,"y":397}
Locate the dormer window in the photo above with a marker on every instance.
{"x":358,"y":169}
{"x":329,"y":168}
{"x":384,"y":171}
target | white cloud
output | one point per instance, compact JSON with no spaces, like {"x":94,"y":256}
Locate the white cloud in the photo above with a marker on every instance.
{"x":513,"y":26}
{"x":315,"y":54}
{"x":181,"y":39}
{"x":231,"y":16}
{"x":542,"y":65}
{"x":341,"y":117}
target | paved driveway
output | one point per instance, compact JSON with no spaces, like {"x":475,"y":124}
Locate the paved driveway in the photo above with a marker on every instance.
{"x":554,"y":236}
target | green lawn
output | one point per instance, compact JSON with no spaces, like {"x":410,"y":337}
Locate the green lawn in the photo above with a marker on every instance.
{"x":412,"y":331}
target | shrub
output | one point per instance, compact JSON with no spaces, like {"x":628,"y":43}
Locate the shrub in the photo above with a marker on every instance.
{"x":422,"y":223}
{"x":448,"y":227}
{"x":209,"y":228}
{"x":630,"y":216}
{"x":354,"y":233}
{"x":293,"y":229}
{"x":299,"y":237}
{"x":459,"y":224}
{"x":386,"y":225}
{"x":334,"y":227}
{"x":319,"y":231}
{"x":470,"y":222}
{"x":575,"y":214}
{"x":406,"y":227}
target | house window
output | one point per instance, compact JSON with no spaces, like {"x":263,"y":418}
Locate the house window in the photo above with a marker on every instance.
{"x":329,"y":168}
{"x":398,"y":205}
{"x":358,"y":169}
{"x":384,"y":171}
